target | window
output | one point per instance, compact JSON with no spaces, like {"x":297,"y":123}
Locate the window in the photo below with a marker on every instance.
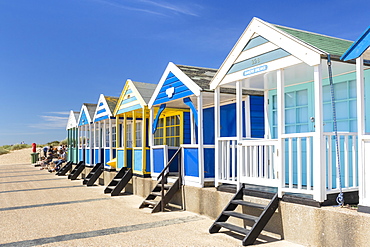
{"x":114,"y":132}
{"x":173,"y":131}
{"x":159,"y":133}
{"x":107,"y":137}
{"x":129,"y":135}
{"x":297,"y":112}
{"x":138,"y":134}
{"x":345,"y":104}
{"x":168,"y":131}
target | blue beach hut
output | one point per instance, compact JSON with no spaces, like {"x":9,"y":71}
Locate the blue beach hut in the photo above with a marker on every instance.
{"x":184,"y":118}
{"x":85,"y":127}
{"x":104,"y":131}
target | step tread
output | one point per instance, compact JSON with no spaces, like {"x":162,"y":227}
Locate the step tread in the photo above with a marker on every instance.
{"x":156,"y":193}
{"x":149,"y":202}
{"x":111,"y":187}
{"x":233,"y":228}
{"x":249,"y":204}
{"x":166,"y":186}
{"x":241,"y":216}
{"x":117,"y":179}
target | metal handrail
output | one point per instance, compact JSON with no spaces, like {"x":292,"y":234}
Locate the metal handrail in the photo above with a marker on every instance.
{"x":163,"y":174}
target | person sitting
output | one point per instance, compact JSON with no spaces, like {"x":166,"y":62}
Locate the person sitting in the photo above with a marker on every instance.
{"x":61,"y":160}
{"x":45,"y":161}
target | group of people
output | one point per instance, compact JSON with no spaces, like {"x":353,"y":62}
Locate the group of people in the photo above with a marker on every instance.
{"x":53,"y":158}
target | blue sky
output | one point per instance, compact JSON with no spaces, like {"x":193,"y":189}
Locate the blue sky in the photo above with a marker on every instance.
{"x":56,"y":55}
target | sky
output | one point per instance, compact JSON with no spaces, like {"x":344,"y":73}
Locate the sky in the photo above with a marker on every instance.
{"x":56,"y":55}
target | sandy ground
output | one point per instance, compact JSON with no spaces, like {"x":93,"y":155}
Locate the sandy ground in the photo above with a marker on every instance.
{"x":22,"y":156}
{"x":38,"y":208}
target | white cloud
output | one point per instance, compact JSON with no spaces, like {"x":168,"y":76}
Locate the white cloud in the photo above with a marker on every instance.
{"x":147,"y":6}
{"x":179,"y":9}
{"x":120,"y":5}
{"x":51,"y":122}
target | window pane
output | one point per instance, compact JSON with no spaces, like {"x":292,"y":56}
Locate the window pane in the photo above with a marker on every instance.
{"x":290,"y":116}
{"x":289,"y":99}
{"x":340,"y":90}
{"x":302,"y":98}
{"x":342,"y":110}
{"x":352,"y":89}
{"x":302,"y":115}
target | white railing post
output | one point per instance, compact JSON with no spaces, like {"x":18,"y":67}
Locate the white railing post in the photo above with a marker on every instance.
{"x":363,"y":198}
{"x":239,"y":129}
{"x":218,"y":153}
{"x":281,"y":130}
{"x":319,"y":169}
{"x":200,"y":140}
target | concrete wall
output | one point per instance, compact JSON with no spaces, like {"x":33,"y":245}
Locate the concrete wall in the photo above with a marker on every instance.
{"x":309,"y":226}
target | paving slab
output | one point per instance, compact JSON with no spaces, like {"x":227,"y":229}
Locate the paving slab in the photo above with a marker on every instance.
{"x":38,"y":208}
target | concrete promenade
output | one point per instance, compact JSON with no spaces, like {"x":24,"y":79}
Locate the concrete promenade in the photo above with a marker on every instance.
{"x":38,"y":208}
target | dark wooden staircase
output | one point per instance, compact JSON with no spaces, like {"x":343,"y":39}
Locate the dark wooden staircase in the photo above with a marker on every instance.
{"x":77,"y":171}
{"x":94,"y":174}
{"x":67,"y":167}
{"x":259,"y":222}
{"x":164,"y":191}
{"x":119,"y":182}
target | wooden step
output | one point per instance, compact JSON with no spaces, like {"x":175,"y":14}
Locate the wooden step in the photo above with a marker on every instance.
{"x":117,"y":179}
{"x":233,"y":228}
{"x":111,"y":187}
{"x":241,"y":216}
{"x":248,"y":204}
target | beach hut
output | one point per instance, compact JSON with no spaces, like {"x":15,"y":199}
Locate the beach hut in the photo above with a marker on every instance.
{"x":132,"y":116}
{"x":72,"y":136}
{"x":85,"y":127}
{"x":104,"y":131}
{"x":184,"y":118}
{"x":359,"y":51}
{"x":297,"y":154}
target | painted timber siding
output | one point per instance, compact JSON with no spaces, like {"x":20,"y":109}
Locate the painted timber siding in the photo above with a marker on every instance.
{"x":180,"y":90}
{"x":257,"y":60}
{"x":129,"y":102}
{"x":83,"y":119}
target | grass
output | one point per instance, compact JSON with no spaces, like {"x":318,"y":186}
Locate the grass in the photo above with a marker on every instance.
{"x":8,"y":148}
{"x":3,"y":151}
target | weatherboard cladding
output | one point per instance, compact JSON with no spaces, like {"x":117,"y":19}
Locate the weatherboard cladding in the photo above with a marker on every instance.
{"x":83,"y":119}
{"x":131,"y":101}
{"x":200,"y":76}
{"x":90,"y":111}
{"x":102,"y":111}
{"x":180,"y":90}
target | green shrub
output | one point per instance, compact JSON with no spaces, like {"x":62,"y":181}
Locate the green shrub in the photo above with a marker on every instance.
{"x":6,"y":147}
{"x":53,"y":143}
{"x":20,"y":146}
{"x":63,"y":142}
{"x":3,"y":151}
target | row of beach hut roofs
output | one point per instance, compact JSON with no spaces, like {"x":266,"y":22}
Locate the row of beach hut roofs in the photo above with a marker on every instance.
{"x":265,"y":118}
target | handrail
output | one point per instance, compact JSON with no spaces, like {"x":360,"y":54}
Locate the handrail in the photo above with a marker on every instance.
{"x":162,"y":174}
{"x":169,"y":163}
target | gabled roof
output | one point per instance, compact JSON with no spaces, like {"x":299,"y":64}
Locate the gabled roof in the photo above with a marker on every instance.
{"x":134,"y":95}
{"x":105,"y":107}
{"x":359,"y":47}
{"x":201,"y":76}
{"x":265,"y":47}
{"x":72,"y":119}
{"x":86,"y":114}
{"x":331,"y":45}
{"x":179,"y":81}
